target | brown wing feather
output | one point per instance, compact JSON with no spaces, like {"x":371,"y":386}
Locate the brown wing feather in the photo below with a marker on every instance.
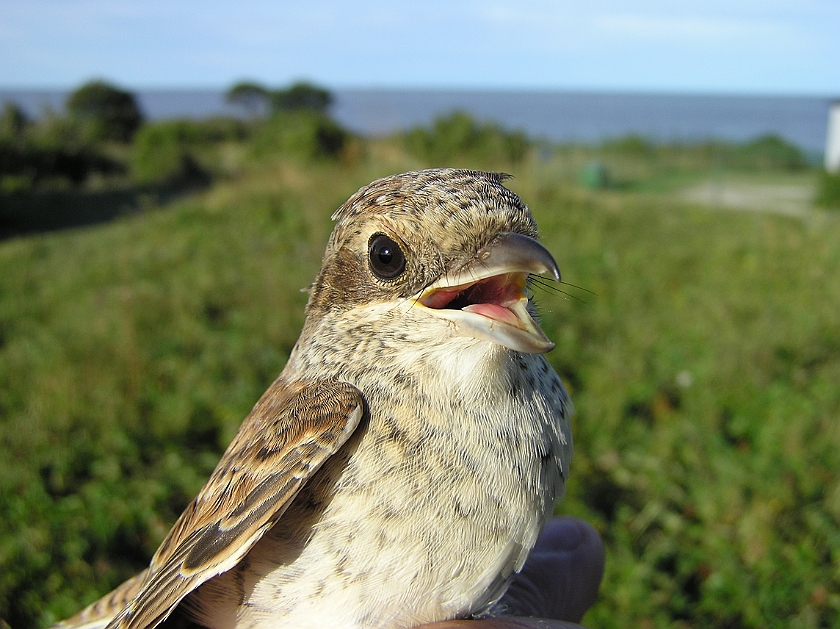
{"x":292,"y":430}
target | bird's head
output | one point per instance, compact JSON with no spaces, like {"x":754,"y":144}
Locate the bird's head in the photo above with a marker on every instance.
{"x":454,"y":248}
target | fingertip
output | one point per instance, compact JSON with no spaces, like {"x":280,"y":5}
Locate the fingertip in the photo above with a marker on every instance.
{"x":565,"y":534}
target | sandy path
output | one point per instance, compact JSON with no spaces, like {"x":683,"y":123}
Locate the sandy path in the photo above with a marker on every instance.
{"x":787,"y":199}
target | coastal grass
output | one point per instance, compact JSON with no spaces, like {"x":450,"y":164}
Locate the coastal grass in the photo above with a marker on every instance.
{"x":702,"y":352}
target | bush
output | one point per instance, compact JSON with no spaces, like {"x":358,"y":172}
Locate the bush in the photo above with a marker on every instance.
{"x":769,"y":152}
{"x":632,"y":145}
{"x":458,"y":136}
{"x":302,"y":134}
{"x":38,"y":164}
{"x":111,"y":112}
{"x":301,"y":97}
{"x":165,"y":152}
{"x":252,"y":97}
{"x":828,"y":190}
{"x":56,"y":131}
{"x":53,"y":149}
{"x":13,"y":121}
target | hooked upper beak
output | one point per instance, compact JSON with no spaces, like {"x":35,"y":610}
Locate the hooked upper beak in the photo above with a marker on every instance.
{"x":487,"y":300}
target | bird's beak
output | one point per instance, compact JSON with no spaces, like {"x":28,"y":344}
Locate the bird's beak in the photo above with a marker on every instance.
{"x":487,"y":300}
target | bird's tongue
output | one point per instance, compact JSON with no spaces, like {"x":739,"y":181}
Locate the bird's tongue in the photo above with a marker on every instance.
{"x":492,"y":298}
{"x":494,"y":311}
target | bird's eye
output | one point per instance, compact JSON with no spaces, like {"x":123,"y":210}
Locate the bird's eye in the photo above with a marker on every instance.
{"x":387,"y":260}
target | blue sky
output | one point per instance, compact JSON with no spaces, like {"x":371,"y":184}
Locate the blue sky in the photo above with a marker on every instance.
{"x":717,"y":46}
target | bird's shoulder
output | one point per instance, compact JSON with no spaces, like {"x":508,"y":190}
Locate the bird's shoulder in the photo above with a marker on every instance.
{"x":291,"y":431}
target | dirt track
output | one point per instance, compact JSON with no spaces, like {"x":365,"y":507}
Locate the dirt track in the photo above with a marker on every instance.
{"x":789,"y":199}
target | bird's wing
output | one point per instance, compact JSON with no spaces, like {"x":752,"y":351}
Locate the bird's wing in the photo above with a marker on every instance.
{"x":292,"y":430}
{"x":100,"y":613}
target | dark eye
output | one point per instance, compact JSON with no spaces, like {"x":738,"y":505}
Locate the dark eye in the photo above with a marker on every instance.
{"x":387,"y":260}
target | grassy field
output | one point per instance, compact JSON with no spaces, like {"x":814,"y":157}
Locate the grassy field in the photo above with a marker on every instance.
{"x":704,"y":366}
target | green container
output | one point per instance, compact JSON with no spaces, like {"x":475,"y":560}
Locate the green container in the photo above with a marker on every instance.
{"x":594,"y":176}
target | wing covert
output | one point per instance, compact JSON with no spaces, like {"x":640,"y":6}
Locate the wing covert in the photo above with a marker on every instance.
{"x":292,"y":430}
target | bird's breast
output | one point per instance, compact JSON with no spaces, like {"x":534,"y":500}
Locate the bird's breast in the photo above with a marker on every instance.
{"x":428,"y":510}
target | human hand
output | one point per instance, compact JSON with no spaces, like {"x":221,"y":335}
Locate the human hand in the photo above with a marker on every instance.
{"x":558,"y":583}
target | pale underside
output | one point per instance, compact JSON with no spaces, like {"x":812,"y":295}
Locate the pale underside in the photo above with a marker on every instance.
{"x":436,"y":503}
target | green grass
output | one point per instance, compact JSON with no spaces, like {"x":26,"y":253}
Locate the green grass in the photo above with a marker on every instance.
{"x":704,"y":371}
{"x":707,"y":434}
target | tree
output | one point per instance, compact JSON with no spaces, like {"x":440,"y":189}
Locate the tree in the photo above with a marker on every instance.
{"x":12,"y":121}
{"x":251,"y":96}
{"x":112,"y":112}
{"x":301,"y":96}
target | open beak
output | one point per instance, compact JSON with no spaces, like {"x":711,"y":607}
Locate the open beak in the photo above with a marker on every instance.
{"x":487,"y":300}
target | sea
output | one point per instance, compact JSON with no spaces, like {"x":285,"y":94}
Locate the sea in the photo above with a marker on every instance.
{"x":558,"y":116}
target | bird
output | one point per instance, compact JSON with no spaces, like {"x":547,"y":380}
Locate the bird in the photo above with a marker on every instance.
{"x":399,"y":469}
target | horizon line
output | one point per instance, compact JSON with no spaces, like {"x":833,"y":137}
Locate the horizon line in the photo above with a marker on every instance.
{"x":640,"y":91}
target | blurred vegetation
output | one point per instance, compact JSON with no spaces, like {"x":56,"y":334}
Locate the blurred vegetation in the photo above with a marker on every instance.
{"x":458,"y":136}
{"x":249,"y":95}
{"x":13,"y":121}
{"x":704,"y":368}
{"x":109,"y":112}
{"x":301,"y":96}
{"x":634,"y":162}
{"x":38,"y":155}
{"x":181,"y":151}
{"x":828,"y":190}
{"x":303,"y":134}
{"x":67,"y":170}
{"x":769,"y":152}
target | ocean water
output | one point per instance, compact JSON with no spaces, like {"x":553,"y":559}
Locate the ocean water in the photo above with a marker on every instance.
{"x":559,"y":116}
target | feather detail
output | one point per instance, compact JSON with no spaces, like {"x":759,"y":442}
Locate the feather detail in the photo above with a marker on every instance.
{"x":290,"y":433}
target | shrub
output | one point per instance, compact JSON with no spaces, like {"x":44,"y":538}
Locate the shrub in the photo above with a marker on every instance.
{"x":632,"y":145}
{"x":112,"y":113}
{"x":49,"y":150}
{"x":769,"y":152}
{"x":301,"y":96}
{"x":165,"y":152}
{"x":828,"y":190}
{"x":254,"y":98}
{"x":459,"y":136}
{"x":13,"y":121}
{"x":303,"y":134}
{"x":37,"y":164}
